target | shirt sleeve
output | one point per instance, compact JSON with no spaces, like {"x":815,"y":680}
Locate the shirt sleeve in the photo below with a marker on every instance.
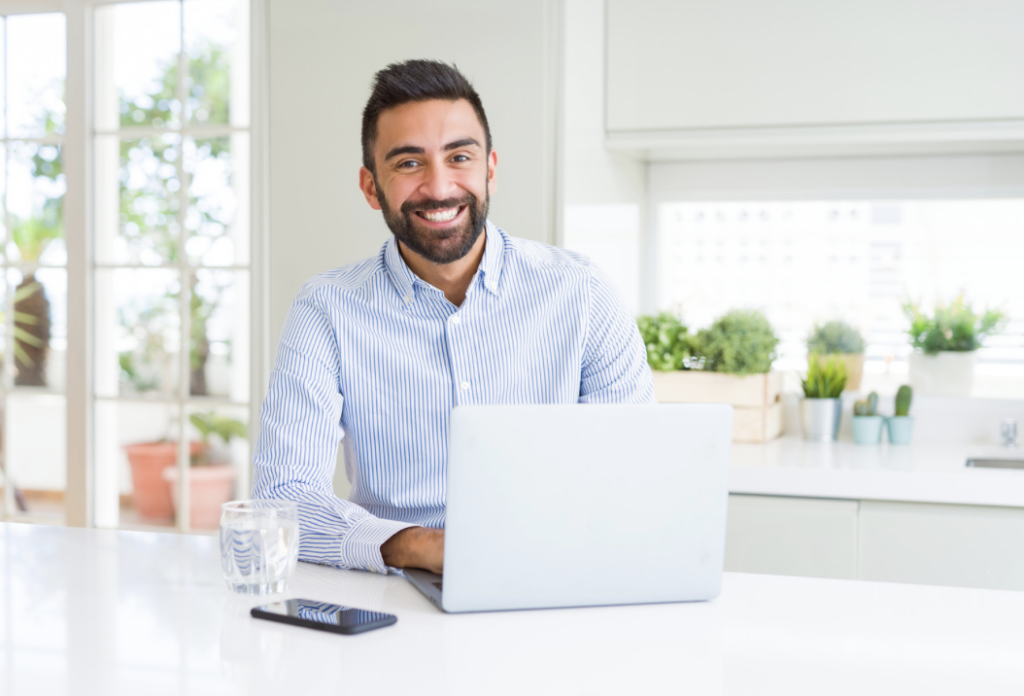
{"x":615,"y":369}
{"x":296,"y":453}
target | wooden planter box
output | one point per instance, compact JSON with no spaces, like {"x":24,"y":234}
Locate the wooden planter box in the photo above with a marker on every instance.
{"x":756,"y":399}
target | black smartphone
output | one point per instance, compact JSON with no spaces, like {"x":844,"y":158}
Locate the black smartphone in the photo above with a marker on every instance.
{"x":323,"y":616}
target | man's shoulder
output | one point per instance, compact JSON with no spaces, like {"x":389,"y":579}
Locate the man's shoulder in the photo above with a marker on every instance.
{"x":352,"y":277}
{"x":538,"y":255}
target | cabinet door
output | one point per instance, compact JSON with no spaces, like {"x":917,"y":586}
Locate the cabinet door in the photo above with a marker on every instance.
{"x":960,"y":545}
{"x":792,"y":536}
{"x":705,"y":64}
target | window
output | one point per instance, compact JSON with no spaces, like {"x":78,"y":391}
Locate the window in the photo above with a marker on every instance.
{"x":33,"y":330}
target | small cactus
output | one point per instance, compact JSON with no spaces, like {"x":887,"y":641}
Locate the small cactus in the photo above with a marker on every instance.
{"x":866,"y":407}
{"x":903,"y":397}
{"x":860,"y":408}
{"x":873,"y":404}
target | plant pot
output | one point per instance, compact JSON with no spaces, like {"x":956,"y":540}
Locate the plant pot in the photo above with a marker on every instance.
{"x":867,"y":430}
{"x":820,"y":418}
{"x":151,"y":495}
{"x":901,"y":428}
{"x":209,"y":487}
{"x":948,"y":373}
{"x":854,"y":368}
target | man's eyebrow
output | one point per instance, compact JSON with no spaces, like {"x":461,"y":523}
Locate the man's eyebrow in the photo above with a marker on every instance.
{"x":404,"y":150}
{"x":456,"y":144}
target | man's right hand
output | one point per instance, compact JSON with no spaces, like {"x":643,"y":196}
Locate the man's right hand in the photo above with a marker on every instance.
{"x":415,"y":547}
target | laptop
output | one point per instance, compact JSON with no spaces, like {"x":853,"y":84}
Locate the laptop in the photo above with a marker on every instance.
{"x":583,"y":505}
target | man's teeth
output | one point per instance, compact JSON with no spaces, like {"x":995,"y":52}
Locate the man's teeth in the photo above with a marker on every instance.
{"x":441,"y":215}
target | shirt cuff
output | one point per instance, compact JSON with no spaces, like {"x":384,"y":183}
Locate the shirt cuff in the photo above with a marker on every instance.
{"x":361,"y":546}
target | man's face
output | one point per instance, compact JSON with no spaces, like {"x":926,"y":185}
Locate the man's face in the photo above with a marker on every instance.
{"x":434,"y":177}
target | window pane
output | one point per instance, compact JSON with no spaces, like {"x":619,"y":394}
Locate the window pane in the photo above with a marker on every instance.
{"x":220,"y":334}
{"x":217,"y":93}
{"x":3,"y":196}
{"x":217,"y":215}
{"x":36,"y":454}
{"x":147,"y":207}
{"x":3,"y":77}
{"x":137,"y":50}
{"x":35,"y":201}
{"x":40,"y":327}
{"x":35,"y":75}
{"x":137,"y":332}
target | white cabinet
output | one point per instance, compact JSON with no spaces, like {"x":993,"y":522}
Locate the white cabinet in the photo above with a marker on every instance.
{"x":678,"y":66}
{"x":792,"y":536}
{"x":961,"y":545}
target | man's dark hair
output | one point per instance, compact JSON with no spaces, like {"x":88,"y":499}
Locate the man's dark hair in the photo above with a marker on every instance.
{"x":415,"y":81}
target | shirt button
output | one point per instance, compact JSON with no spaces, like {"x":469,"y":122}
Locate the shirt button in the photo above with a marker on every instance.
{"x":456,"y":319}
{"x":465,"y":385}
{"x":407,"y":299}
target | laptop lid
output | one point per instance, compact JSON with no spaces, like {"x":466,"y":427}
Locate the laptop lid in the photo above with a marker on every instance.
{"x":582,"y":505}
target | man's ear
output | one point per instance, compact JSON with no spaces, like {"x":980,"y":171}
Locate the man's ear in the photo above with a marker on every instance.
{"x":369,"y":187}
{"x":492,"y":172}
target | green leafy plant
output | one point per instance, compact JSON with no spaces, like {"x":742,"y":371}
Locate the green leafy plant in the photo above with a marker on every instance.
{"x":826,"y":378}
{"x":866,"y":407}
{"x":667,"y":341}
{"x":952,"y":327}
{"x":835,"y":337}
{"x":740,"y":342}
{"x":211,"y":423}
{"x":904,"y":395}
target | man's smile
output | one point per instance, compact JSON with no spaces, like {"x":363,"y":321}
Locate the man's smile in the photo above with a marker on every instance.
{"x":441,"y":217}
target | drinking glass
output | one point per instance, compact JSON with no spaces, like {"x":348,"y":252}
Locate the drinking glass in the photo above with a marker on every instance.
{"x":259,"y":544}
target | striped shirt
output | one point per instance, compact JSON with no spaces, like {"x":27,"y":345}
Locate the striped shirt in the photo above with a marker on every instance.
{"x":375,"y":356}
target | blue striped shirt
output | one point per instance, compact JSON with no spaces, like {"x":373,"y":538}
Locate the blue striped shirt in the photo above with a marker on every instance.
{"x":372,"y":354}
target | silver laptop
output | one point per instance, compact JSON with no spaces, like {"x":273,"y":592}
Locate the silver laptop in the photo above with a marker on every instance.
{"x":583,"y":505}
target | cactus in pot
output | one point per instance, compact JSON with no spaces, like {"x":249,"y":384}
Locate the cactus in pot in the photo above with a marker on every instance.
{"x":901,"y":425}
{"x":867,"y":424}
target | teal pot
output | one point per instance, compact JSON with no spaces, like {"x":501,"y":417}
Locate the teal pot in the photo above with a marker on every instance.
{"x":901,"y":428}
{"x":820,"y":418}
{"x":867,"y":430}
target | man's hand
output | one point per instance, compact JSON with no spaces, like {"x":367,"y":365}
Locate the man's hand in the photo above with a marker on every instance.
{"x":415,"y":547}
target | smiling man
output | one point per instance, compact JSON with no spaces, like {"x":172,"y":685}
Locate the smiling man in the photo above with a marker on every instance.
{"x":452,"y":311}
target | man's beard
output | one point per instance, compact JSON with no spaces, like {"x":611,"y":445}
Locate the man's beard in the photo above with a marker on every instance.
{"x":439,"y":246}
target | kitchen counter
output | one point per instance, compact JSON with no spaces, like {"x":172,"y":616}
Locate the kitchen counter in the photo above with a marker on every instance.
{"x":89,"y":611}
{"x":924,"y":473}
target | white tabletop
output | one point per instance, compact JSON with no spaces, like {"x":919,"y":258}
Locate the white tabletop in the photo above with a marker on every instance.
{"x":103,"y":612}
{"x":921,"y":472}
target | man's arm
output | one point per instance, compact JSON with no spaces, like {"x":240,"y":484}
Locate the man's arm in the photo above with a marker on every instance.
{"x":614,"y":369}
{"x":416,"y":547}
{"x":300,"y":425}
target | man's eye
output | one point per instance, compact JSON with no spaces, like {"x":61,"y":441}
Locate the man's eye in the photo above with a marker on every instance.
{"x":408,"y":164}
{"x":460,"y":158}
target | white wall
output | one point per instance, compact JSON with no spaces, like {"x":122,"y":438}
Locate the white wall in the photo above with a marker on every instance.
{"x":322,"y":56}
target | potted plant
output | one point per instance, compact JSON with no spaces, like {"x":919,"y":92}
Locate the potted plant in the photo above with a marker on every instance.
{"x":843,"y":340}
{"x":901,"y":426}
{"x":867,"y":424}
{"x":211,"y":477}
{"x":945,"y":345}
{"x":151,"y":494}
{"x":821,"y":407}
{"x":728,"y":362}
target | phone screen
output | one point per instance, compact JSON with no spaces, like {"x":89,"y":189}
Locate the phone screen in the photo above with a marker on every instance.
{"x":324,"y":616}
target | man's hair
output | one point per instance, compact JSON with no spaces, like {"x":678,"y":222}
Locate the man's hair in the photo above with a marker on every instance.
{"x":415,"y":81}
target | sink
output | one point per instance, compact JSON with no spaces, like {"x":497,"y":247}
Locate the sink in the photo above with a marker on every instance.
{"x":996,"y":463}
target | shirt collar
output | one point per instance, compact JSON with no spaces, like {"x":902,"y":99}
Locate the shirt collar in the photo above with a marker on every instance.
{"x":490,"y":265}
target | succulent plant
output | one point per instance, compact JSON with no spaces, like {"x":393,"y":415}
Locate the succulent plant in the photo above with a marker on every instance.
{"x":952,"y":327}
{"x":835,"y":337}
{"x":866,"y":407}
{"x":740,"y":342}
{"x":826,"y":378}
{"x":904,"y":396}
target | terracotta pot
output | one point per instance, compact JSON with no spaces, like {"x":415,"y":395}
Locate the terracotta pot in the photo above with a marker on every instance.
{"x":151,"y":495}
{"x":209,"y":487}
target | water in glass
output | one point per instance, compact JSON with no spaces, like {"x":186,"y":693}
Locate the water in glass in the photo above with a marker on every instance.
{"x":259,"y":545}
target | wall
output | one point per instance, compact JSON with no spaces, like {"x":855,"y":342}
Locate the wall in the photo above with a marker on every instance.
{"x":322,"y":57}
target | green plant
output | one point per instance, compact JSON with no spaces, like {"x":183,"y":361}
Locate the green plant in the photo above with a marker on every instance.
{"x":826,"y":377}
{"x":667,"y":341}
{"x":866,"y":407}
{"x":212,"y":423}
{"x":835,"y":337}
{"x":740,"y":342}
{"x":904,"y":395}
{"x":952,"y":327}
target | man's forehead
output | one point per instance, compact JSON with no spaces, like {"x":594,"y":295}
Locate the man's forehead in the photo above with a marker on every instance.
{"x":428,"y":124}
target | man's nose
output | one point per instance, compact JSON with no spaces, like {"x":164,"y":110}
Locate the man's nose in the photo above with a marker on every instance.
{"x":438,"y":184}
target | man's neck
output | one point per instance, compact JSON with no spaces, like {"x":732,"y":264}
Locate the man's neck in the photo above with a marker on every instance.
{"x":453,"y":278}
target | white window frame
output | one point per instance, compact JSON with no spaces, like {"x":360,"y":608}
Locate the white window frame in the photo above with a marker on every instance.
{"x":78,"y":216}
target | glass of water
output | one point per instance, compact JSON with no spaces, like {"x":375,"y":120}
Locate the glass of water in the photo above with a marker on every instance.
{"x":259,"y":544}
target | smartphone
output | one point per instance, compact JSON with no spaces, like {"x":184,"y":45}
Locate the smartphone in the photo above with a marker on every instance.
{"x":323,"y":616}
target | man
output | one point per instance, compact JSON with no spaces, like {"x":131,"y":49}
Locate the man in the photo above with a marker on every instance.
{"x":451,"y":311}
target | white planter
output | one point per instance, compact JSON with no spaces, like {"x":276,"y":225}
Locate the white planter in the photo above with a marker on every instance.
{"x":948,"y":373}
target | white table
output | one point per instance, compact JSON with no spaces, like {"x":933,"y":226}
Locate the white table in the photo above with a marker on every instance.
{"x":103,"y":612}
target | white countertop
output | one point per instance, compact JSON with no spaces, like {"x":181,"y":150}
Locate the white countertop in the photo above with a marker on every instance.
{"x":921,"y":473}
{"x":104,"y":612}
